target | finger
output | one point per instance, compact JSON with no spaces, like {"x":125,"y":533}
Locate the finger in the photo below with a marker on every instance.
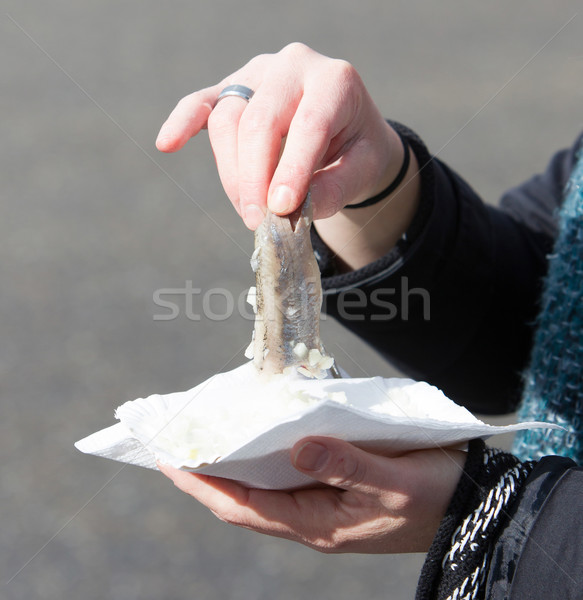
{"x":271,"y":512}
{"x":187,"y":119}
{"x":321,"y":518}
{"x":342,"y":465}
{"x":217,"y":494}
{"x":223,"y":128}
{"x":263,"y":127}
{"x":312,"y":129}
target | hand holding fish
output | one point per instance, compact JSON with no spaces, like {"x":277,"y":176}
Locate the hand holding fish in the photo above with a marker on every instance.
{"x":310,"y":125}
{"x":370,"y":503}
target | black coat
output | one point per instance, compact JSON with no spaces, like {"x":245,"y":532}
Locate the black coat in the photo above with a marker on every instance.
{"x":454,"y":304}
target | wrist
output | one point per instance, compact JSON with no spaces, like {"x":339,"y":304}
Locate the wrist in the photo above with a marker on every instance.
{"x":392,"y":179}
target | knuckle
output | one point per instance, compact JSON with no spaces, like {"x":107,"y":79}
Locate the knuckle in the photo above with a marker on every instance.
{"x":321,"y":543}
{"x":315,"y":121}
{"x":344,"y":70}
{"x":349,"y":471}
{"x":230,"y":517}
{"x":331,"y":198}
{"x":347,"y":83}
{"x":323,"y":546}
{"x":296,"y":48}
{"x":259,"y":61}
{"x":338,"y":542}
{"x":335,"y":196}
{"x":333,"y":543}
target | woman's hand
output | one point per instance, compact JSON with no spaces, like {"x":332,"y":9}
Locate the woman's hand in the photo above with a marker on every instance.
{"x":311,"y":124}
{"x":369,"y":504}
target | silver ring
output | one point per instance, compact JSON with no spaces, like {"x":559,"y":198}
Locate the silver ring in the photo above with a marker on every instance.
{"x":240,"y":91}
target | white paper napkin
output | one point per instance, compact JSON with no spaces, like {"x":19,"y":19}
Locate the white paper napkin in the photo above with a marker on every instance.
{"x":236,"y":427}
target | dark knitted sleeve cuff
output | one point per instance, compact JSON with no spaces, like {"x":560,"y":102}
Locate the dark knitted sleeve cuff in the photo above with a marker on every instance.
{"x":457,"y":562}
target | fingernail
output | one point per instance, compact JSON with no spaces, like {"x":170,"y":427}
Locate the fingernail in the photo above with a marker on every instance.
{"x":312,"y":456}
{"x":252,"y":215}
{"x":280,"y":199}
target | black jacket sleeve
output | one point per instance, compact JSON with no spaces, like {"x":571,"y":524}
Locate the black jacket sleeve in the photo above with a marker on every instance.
{"x":454,"y":303}
{"x":539,"y":552}
{"x":512,"y":531}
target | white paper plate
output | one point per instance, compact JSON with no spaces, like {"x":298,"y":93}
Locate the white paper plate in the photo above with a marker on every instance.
{"x":232,"y":426}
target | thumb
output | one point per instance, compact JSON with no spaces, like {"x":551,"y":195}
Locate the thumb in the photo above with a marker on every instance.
{"x":342,"y":465}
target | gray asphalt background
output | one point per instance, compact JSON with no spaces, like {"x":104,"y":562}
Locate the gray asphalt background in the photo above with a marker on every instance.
{"x":94,"y":221}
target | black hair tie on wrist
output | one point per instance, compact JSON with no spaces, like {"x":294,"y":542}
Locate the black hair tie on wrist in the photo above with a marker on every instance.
{"x":394,"y":184}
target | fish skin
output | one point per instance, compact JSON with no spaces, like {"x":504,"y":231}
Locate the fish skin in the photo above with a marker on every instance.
{"x":288,"y":293}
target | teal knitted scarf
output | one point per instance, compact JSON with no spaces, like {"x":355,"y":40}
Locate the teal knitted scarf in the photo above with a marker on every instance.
{"x":553,"y":389}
